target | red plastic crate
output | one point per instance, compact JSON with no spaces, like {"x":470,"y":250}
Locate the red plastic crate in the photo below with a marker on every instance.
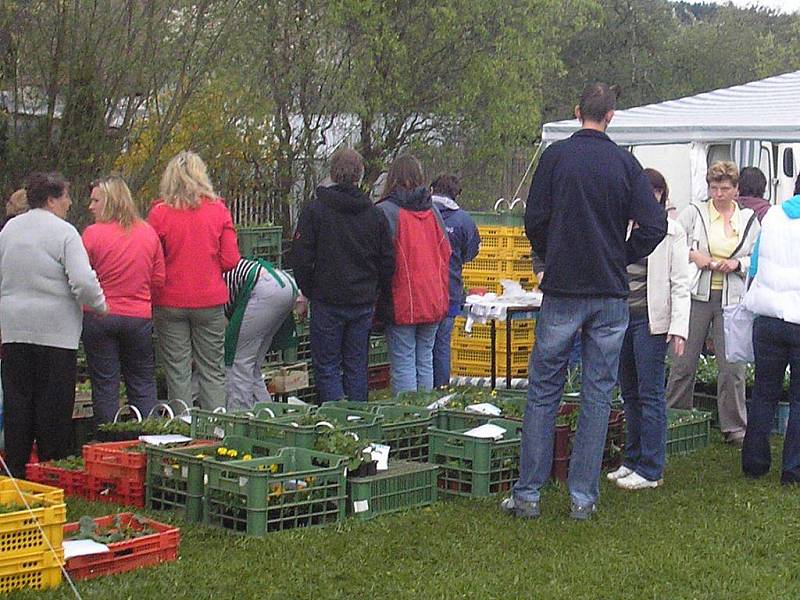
{"x":612,"y":455}
{"x":72,"y":482}
{"x":378,"y":377}
{"x":114,"y":460}
{"x":115,"y":491}
{"x":127,"y":555}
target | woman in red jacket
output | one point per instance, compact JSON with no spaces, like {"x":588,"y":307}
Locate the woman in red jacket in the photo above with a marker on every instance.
{"x":199,"y":242}
{"x":125,"y":253}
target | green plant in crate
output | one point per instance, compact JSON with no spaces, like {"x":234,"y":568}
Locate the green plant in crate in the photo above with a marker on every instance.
{"x":344,"y":444}
{"x":70,"y":463}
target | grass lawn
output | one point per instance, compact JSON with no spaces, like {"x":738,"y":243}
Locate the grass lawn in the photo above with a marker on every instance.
{"x":708,"y":533}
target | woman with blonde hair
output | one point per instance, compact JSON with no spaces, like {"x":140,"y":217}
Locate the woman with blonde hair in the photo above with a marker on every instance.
{"x":127,"y":257}
{"x":199,"y":243}
{"x":720,"y":236}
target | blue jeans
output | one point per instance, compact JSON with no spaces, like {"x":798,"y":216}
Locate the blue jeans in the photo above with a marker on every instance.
{"x":340,"y":349}
{"x":776,"y":344}
{"x":117,"y":344}
{"x":641,"y":380}
{"x":441,"y":353}
{"x":411,"y":356}
{"x":602,"y":322}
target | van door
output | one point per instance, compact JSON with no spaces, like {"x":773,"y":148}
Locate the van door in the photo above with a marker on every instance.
{"x":788,"y":167}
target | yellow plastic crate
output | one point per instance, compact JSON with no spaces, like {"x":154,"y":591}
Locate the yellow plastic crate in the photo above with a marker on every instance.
{"x":520,"y":266}
{"x":491,"y":281}
{"x":38,"y":571}
{"x":34,"y":489}
{"x":475,"y":361}
{"x":24,"y":532}
{"x":463,"y":370}
{"x":522,"y":336}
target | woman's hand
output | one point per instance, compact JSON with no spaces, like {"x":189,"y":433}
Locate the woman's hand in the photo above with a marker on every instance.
{"x":729,"y":265}
{"x":701,"y":259}
{"x":301,"y":307}
{"x":678,"y":344}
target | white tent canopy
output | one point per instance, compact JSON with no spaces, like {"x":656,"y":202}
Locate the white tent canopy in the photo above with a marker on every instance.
{"x":764,"y":109}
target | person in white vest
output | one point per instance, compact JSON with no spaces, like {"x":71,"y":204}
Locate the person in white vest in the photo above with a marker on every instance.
{"x":774,"y":297}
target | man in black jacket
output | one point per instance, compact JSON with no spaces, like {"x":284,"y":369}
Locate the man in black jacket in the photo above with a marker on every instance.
{"x":342,"y":256}
{"x":585,"y":192}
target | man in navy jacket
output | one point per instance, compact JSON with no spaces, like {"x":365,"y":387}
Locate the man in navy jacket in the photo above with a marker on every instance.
{"x":585,"y":192}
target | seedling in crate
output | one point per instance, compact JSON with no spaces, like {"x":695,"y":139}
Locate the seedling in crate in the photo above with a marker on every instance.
{"x":71,"y":463}
{"x":118,"y":531}
{"x":345,"y":444}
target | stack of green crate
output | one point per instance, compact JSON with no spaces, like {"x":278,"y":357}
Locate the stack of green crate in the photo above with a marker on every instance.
{"x":404,"y":485}
{"x":261,"y":241}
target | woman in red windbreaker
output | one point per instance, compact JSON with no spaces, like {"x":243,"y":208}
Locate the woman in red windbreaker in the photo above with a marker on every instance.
{"x":199,"y":242}
{"x":420,"y":294}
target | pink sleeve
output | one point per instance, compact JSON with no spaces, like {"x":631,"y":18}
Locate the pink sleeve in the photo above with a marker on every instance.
{"x":228,"y":246}
{"x":159,"y":275}
{"x":88,"y":239}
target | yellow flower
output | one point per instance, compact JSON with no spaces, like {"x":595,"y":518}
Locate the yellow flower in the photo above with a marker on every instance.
{"x":262,"y":467}
{"x":222,"y":450}
{"x":494,"y":393}
{"x":247,"y":457}
{"x":273,"y":468}
{"x":201,"y":455}
{"x":232,"y":453}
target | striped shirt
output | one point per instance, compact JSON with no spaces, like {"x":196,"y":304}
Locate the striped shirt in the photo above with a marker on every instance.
{"x":236,"y":278}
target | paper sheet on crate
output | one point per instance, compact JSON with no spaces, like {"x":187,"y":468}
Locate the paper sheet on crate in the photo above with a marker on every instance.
{"x":161,"y":440}
{"x":440,"y":403}
{"x":487,"y":431}
{"x":480,"y":309}
{"x":380,"y":453}
{"x":73,"y":548}
{"x":485,"y":408}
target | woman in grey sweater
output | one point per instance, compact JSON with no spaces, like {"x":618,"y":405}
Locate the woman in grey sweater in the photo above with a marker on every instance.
{"x":45,"y":278}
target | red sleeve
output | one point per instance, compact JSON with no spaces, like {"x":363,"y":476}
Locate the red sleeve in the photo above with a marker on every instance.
{"x":88,"y":239}
{"x":228,"y":246}
{"x":159,"y":275}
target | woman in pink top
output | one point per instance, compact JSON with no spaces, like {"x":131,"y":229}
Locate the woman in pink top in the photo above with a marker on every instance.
{"x":199,"y":242}
{"x":126,"y":255}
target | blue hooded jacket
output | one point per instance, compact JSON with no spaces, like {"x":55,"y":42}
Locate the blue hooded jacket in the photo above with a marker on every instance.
{"x":465,"y":242}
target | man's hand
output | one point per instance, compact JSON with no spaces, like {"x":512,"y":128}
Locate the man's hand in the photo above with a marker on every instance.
{"x":678,"y":344}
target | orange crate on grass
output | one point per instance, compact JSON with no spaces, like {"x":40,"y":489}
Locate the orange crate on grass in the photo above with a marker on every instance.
{"x":116,"y":460}
{"x":127,"y":555}
{"x":115,"y":490}
{"x":72,"y":482}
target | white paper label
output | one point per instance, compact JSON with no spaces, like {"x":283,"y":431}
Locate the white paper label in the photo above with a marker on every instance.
{"x":243,"y":481}
{"x":168,"y":471}
{"x":219,"y":432}
{"x":360,"y":506}
{"x":205,"y":478}
{"x":185,"y":472}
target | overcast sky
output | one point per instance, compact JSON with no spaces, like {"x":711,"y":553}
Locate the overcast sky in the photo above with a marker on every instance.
{"x":782,"y":5}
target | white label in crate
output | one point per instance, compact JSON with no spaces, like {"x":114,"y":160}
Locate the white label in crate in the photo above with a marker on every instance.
{"x":167,"y":471}
{"x":243,"y":481}
{"x":185,"y":472}
{"x":219,"y":432}
{"x":360,"y":506}
{"x":205,"y":478}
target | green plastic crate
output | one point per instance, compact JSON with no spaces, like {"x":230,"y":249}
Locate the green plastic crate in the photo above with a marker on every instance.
{"x":207,"y":424}
{"x":476,"y":467}
{"x":707,"y":403}
{"x":261,"y":241}
{"x":688,"y":436}
{"x":378,"y":353}
{"x":175,"y":477}
{"x":286,"y":431}
{"x":306,"y":489}
{"x":498,"y":219}
{"x":273,"y":410}
{"x":405,"y":430}
{"x":403,"y":486}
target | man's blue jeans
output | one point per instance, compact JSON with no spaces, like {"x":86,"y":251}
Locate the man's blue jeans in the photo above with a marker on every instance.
{"x":411,"y":357}
{"x":776,"y":344}
{"x":602,"y":322}
{"x":339,"y":350}
{"x":641,"y":380}
{"x":441,"y":353}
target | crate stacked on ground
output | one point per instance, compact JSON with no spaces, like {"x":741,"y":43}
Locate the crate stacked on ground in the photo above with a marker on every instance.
{"x":566,"y":422}
{"x":687,"y":431}
{"x":404,"y":485}
{"x":261,"y":241}
{"x":294,"y":488}
{"x":303,"y":431}
{"x":378,"y":360}
{"x":31,"y":553}
{"x":159,"y":545}
{"x":475,"y":467}
{"x":176,"y":476}
{"x":470,"y":353}
{"x":116,"y":472}
{"x":66,"y":474}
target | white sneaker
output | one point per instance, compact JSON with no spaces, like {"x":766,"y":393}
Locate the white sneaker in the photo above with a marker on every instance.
{"x":634,"y":481}
{"x":623,"y":471}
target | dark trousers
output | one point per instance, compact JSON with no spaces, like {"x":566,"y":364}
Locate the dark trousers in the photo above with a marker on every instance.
{"x":117,"y":344}
{"x":38,"y":397}
{"x":340,"y":349}
{"x":776,"y":344}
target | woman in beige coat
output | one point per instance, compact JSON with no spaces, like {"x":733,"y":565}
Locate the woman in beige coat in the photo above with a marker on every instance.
{"x":721,"y":236}
{"x":658,"y":314}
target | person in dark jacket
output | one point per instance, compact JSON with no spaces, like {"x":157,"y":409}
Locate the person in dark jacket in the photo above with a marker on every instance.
{"x":585,"y":192}
{"x":465,"y":242}
{"x":420,"y":285}
{"x":342,"y":256}
{"x":752,"y":185}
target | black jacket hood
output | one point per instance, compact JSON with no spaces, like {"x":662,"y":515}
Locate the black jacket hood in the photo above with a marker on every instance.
{"x":418,"y":199}
{"x":344,"y":198}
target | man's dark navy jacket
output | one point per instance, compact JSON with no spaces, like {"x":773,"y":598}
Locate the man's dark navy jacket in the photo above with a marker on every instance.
{"x":584,"y":192}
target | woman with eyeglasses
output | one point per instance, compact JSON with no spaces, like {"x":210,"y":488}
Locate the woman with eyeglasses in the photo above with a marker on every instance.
{"x":127,"y":257}
{"x":721,"y":236}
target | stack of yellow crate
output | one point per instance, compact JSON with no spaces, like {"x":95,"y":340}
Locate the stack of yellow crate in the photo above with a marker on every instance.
{"x":505,"y":254}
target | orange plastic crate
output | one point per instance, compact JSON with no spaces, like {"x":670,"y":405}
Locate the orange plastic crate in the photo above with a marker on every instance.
{"x":72,"y":482}
{"x":116,"y":460}
{"x":127,"y":555}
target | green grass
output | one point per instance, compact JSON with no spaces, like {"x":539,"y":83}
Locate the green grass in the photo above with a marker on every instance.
{"x":708,"y":533}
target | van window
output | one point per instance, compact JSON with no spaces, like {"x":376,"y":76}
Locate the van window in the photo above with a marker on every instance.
{"x":788,"y":162}
{"x":718,"y":152}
